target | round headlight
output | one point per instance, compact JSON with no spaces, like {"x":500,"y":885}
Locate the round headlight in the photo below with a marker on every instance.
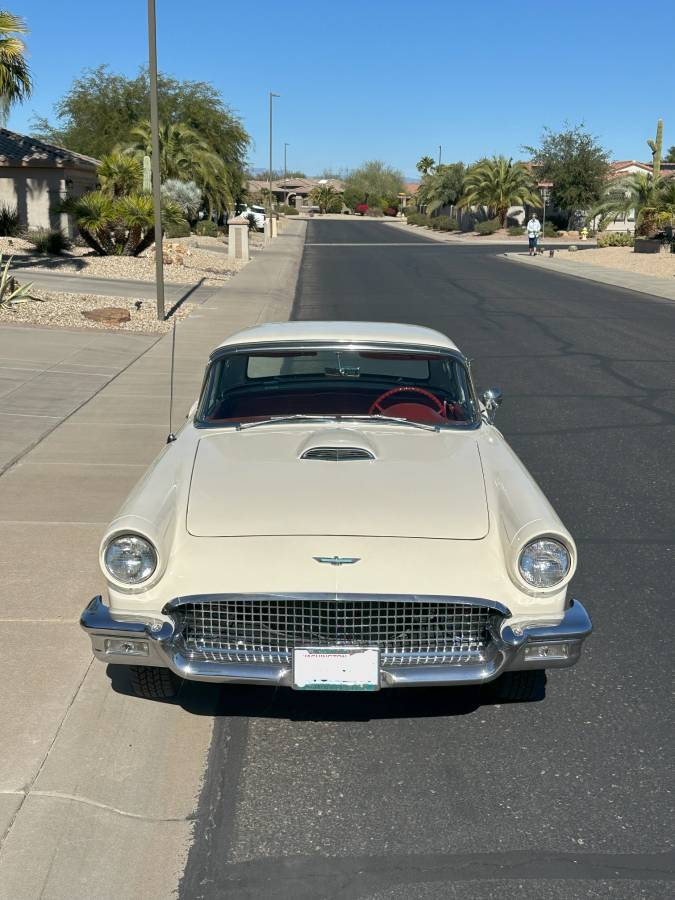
{"x":130,"y":558}
{"x":544,"y":563}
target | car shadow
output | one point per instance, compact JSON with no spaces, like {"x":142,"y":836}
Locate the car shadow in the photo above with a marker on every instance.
{"x":258,"y":701}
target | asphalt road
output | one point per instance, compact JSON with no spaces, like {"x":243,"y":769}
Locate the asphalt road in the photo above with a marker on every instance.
{"x":432,"y":793}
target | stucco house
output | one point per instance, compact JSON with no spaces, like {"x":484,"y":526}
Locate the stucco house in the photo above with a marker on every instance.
{"x":293,"y":191}
{"x":34,"y":175}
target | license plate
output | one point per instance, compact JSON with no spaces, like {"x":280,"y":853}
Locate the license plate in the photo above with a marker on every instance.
{"x":336,"y":669}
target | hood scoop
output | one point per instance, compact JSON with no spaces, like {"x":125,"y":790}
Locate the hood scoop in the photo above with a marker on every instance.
{"x":337,"y":454}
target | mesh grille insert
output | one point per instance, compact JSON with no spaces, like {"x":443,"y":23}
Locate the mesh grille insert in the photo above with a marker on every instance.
{"x":266,"y":629}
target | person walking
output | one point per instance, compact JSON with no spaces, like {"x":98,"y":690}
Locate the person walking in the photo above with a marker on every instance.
{"x":533,"y":232}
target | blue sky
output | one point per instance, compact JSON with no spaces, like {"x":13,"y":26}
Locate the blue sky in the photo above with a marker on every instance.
{"x":384,"y":79}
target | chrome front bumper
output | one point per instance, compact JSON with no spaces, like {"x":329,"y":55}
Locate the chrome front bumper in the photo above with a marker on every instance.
{"x":150,"y":642}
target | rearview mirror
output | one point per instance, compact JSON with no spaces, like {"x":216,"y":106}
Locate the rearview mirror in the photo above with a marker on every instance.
{"x":492,"y":400}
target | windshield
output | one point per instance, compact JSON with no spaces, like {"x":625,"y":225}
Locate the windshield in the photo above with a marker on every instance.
{"x":428,"y":388}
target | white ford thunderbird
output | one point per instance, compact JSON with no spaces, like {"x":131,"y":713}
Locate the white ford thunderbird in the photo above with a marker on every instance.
{"x":338,"y":513}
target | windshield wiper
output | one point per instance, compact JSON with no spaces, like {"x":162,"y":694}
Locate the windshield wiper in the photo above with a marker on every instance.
{"x":398,"y":420}
{"x":276,"y":420}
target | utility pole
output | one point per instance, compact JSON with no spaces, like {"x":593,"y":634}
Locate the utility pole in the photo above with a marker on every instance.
{"x":439,"y":154}
{"x":156,"y":175}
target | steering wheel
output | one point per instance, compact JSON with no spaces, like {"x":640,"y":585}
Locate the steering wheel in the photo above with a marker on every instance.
{"x":376,"y":406}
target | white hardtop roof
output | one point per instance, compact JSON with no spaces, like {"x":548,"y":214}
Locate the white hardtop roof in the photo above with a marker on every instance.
{"x":356,"y":332}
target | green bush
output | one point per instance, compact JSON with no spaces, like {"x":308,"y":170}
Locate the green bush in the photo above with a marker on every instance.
{"x":9,"y":221}
{"x":288,"y":210}
{"x":516,"y":230}
{"x":375,"y":211}
{"x":550,"y":230}
{"x":616,"y":239}
{"x":206,"y":228}
{"x":418,"y":219}
{"x":177,"y":230}
{"x":487,"y":227}
{"x":443,"y":223}
{"x":48,"y":240}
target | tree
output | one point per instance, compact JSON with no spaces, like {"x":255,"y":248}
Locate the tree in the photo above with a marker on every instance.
{"x":670,"y":155}
{"x":426,"y":164}
{"x":120,"y":174}
{"x":443,"y":187}
{"x":185,"y":155}
{"x":499,"y":183}
{"x":374,"y":183}
{"x":117,"y":225}
{"x":576,"y":164}
{"x":101,"y":110}
{"x":15,"y":80}
{"x":640,"y":193}
{"x":326,"y":198}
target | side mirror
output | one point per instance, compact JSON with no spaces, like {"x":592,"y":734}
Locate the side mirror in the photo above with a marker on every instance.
{"x":492,"y":400}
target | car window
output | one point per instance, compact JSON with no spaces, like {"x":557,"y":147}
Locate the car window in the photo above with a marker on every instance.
{"x":428,"y":388}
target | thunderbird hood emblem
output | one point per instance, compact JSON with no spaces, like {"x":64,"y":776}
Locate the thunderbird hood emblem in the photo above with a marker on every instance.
{"x":337,"y":560}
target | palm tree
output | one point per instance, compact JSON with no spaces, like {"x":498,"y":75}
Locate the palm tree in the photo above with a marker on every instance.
{"x":630,"y":194}
{"x":185,"y":155}
{"x":327,"y":198}
{"x":499,"y":183}
{"x":120,"y":174}
{"x":425,"y":165}
{"x":15,"y":80}
{"x":443,"y":187}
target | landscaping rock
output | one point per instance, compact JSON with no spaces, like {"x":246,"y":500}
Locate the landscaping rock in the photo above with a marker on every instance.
{"x":108,"y":315}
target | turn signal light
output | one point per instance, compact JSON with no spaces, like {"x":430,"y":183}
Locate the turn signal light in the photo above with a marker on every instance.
{"x":126,"y":647}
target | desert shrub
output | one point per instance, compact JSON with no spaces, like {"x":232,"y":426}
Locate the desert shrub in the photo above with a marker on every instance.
{"x":252,"y":224}
{"x":361,"y":209}
{"x":185,"y":194}
{"x":9,"y":221}
{"x":616,"y":239}
{"x":489,"y":226}
{"x":206,"y":228}
{"x":375,"y":211}
{"x":48,"y":240}
{"x":288,"y":210}
{"x":177,"y":230}
{"x":390,"y":211}
{"x":550,"y":230}
{"x":516,"y":230}
{"x":443,"y":223}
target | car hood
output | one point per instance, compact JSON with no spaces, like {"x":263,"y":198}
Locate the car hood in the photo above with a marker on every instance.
{"x":417,"y":484}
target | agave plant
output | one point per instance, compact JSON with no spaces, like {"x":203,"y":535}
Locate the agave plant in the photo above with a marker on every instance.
{"x":12,"y":293}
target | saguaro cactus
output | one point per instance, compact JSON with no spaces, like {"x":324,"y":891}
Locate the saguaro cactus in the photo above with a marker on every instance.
{"x":656,"y":147}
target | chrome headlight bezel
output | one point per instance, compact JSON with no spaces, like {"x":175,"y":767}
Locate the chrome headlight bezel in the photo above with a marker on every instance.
{"x":143,"y":545}
{"x":549,"y":546}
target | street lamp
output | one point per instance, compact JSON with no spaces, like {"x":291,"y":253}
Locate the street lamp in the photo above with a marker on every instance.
{"x":286,"y":146}
{"x":545,"y":191}
{"x":440,"y":147}
{"x":269,"y":199}
{"x":156,"y":176}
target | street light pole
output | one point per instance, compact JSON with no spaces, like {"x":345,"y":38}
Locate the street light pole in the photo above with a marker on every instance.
{"x":269,"y":199}
{"x":156,"y":175}
{"x":439,"y":153}
{"x":285,"y":174}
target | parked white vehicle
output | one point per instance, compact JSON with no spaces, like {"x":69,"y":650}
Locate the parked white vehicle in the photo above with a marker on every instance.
{"x":258,"y":213}
{"x":338,"y":512}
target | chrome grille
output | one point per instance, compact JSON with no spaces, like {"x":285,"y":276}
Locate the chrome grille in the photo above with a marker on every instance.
{"x":266,"y":629}
{"x":337,"y":454}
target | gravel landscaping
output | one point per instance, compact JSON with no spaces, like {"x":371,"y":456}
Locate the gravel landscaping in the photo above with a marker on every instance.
{"x":186,"y":261}
{"x":660,"y":264}
{"x":63,"y":310}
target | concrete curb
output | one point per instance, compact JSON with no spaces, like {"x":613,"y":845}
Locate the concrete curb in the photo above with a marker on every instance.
{"x":631,"y":281}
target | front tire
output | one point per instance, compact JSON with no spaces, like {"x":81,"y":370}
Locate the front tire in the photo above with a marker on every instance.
{"x":518,"y":687}
{"x":153,"y":682}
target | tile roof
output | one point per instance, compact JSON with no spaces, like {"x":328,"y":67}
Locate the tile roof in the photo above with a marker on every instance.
{"x":22,"y":150}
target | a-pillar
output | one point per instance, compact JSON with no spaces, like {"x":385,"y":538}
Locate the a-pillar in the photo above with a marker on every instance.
{"x":237,"y":244}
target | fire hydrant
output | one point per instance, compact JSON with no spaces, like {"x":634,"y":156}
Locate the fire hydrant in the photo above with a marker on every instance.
{"x":583,"y":234}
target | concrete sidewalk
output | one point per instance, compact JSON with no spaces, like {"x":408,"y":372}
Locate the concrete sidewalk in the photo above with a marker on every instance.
{"x":98,"y":788}
{"x":632,"y":281}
